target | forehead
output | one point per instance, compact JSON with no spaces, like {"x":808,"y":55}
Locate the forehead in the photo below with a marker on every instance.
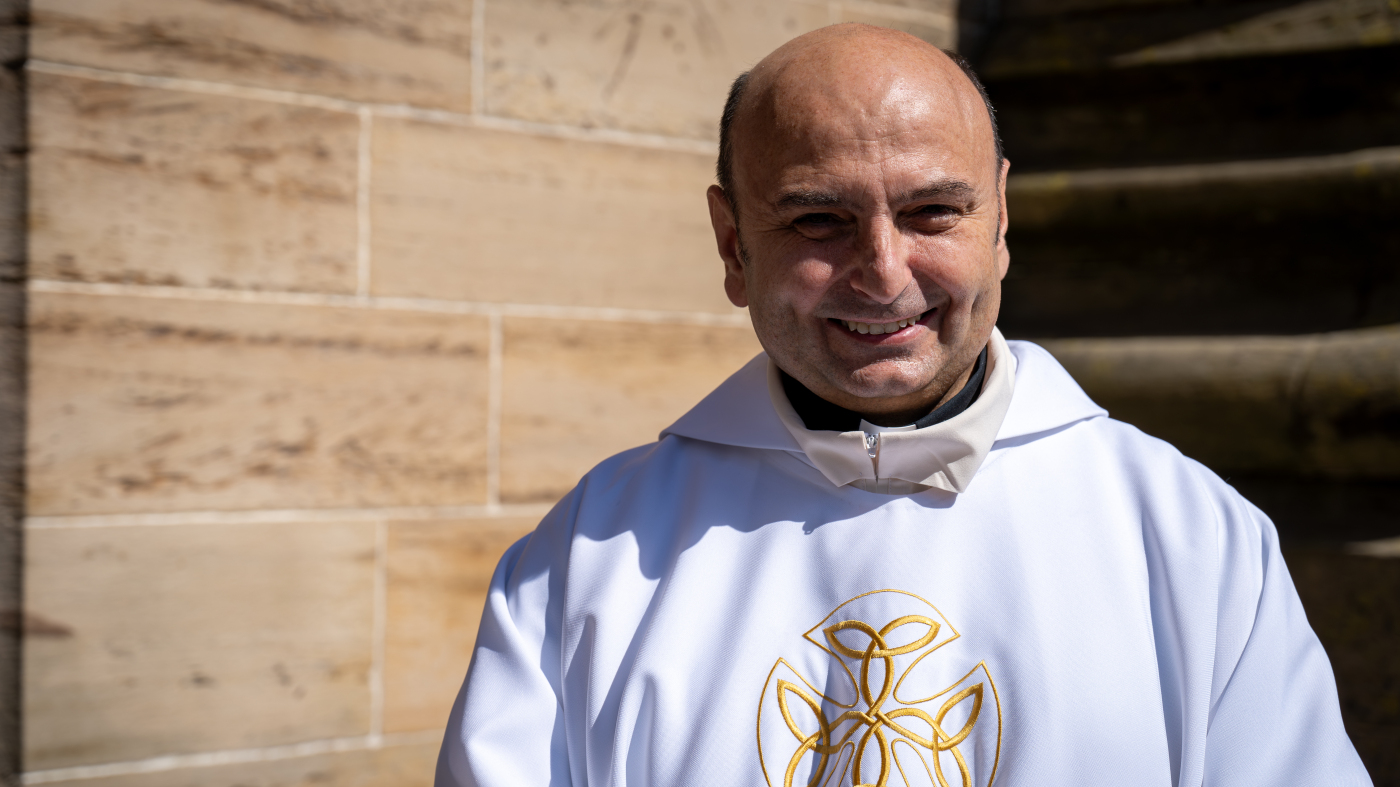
{"x":840,"y":125}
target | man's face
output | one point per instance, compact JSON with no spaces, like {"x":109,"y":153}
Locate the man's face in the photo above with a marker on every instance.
{"x":867,"y":246}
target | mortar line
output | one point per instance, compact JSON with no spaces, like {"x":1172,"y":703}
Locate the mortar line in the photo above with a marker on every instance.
{"x":230,"y":757}
{"x":440,"y":116}
{"x":362,"y":193}
{"x":478,"y":81}
{"x":379,"y":627}
{"x":187,"y":85}
{"x":495,"y":366}
{"x":735,"y":318}
{"x":284,"y":516}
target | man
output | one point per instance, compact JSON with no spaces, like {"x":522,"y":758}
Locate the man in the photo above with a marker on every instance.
{"x":895,"y":548}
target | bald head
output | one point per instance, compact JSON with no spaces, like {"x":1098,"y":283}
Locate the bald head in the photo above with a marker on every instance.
{"x":862,"y":59}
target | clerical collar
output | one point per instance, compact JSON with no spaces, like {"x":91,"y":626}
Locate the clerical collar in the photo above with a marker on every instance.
{"x":818,"y":414}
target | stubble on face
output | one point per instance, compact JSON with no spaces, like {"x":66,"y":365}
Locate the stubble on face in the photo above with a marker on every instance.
{"x":867,"y":194}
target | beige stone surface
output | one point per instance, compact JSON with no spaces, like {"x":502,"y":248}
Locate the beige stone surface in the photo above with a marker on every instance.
{"x":438,"y":576}
{"x":145,"y":404}
{"x":575,"y":394}
{"x":659,"y":67}
{"x":392,"y":766}
{"x":175,"y":639}
{"x":934,"y":24}
{"x":947,"y":7}
{"x":150,"y":186}
{"x":502,"y":217}
{"x":391,"y":51}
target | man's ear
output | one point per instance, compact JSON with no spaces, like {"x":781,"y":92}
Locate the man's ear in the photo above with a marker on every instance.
{"x":1003,"y":223}
{"x":727,"y":239}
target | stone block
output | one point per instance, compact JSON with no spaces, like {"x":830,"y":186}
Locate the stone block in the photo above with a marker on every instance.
{"x":576,"y":393}
{"x":946,"y":7}
{"x":393,"y":766}
{"x":12,"y":91}
{"x":1102,"y":253}
{"x":660,"y":68}
{"x":14,"y":218}
{"x":177,"y":639}
{"x":390,"y":51}
{"x":932,"y":22}
{"x":14,"y":38}
{"x":141,"y":404}
{"x":506,"y":217}
{"x":151,"y":186}
{"x":438,"y":576}
{"x":1325,"y":405}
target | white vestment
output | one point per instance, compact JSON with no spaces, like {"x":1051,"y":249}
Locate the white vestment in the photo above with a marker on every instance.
{"x":1036,"y":594}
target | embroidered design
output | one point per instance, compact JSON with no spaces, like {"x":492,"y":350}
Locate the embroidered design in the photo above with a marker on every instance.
{"x":875,"y":722}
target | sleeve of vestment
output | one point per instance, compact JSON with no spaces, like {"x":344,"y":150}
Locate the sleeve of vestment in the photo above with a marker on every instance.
{"x":507,"y":725}
{"x":1274,"y":715}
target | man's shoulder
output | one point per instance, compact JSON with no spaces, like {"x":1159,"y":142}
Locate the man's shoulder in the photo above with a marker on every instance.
{"x":664,"y":457}
{"x":1171,"y":486}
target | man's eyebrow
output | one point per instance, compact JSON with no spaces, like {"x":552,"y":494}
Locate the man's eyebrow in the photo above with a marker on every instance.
{"x":955,"y":189}
{"x":808,"y":199}
{"x":945,"y":189}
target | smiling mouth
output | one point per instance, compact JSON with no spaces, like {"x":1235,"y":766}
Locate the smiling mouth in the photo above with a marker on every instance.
{"x":878,"y":328}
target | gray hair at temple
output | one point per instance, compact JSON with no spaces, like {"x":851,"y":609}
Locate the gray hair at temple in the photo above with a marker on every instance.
{"x":724,"y":167}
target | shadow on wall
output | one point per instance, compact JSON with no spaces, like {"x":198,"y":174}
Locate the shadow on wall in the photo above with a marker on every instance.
{"x":1203,"y":194}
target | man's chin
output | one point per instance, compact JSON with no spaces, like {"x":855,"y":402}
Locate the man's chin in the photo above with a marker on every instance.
{"x":885,"y":380}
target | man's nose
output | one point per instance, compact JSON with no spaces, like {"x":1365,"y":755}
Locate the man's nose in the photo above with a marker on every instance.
{"x":882,"y":266}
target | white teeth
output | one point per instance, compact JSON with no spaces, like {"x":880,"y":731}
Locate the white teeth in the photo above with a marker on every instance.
{"x":877,"y":328}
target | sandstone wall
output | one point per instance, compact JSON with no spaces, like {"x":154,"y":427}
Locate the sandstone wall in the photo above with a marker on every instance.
{"x":328,"y":302}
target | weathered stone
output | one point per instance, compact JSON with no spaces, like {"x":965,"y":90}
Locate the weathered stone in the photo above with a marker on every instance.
{"x":170,"y":405}
{"x":393,"y":766}
{"x":1040,"y":37}
{"x":929,"y":6}
{"x":175,"y":639}
{"x":390,"y":51}
{"x":1325,"y":405}
{"x":165,"y":187}
{"x":1308,"y":26}
{"x":660,"y":67}
{"x":935,"y":25}
{"x":577,"y":393}
{"x":1297,"y":104}
{"x":1104,"y":200}
{"x":439,"y":573}
{"x":1206,"y":249}
{"x":14,"y":217}
{"x":12,"y":101}
{"x":493,"y":216}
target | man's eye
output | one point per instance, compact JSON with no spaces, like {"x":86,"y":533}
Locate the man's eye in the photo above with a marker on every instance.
{"x":935,"y":211}
{"x":820,"y":226}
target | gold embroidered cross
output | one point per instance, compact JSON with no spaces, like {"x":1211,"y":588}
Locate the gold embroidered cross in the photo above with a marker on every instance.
{"x":885,"y":721}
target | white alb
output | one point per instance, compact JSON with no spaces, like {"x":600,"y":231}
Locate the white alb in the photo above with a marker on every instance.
{"x":1035,"y":594}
